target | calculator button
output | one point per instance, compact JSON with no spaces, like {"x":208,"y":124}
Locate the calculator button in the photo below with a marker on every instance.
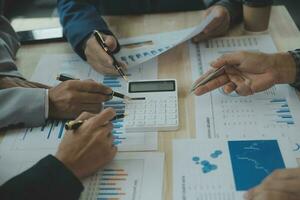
{"x":172,"y":116}
{"x":160,"y":122}
{"x":140,"y":123}
{"x":171,"y":121}
{"x":139,"y":117}
{"x":150,"y":117}
{"x":139,"y":112}
{"x":150,"y":122}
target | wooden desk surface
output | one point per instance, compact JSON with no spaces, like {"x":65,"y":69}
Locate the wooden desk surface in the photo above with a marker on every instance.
{"x":173,"y":64}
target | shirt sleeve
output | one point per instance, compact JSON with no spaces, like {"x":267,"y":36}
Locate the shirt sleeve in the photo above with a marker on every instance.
{"x":79,"y":19}
{"x":48,"y":179}
{"x":235,"y":9}
{"x":296,"y":56}
{"x":22,"y":106}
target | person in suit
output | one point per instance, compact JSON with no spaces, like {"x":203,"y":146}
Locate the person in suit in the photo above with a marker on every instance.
{"x":80,"y":18}
{"x":80,"y":154}
{"x":20,"y":98}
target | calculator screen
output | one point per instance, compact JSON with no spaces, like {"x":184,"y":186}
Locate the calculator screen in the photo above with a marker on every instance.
{"x":152,"y":86}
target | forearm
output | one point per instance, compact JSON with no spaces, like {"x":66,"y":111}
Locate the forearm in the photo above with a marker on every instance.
{"x":22,"y":106}
{"x":79,"y":19}
{"x":48,"y":179}
{"x":235,"y":9}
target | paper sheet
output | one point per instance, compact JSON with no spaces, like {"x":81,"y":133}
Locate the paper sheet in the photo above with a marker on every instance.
{"x":224,"y":169}
{"x":269,"y":113}
{"x":137,"y":50}
{"x":50,"y":135}
{"x":131,"y":176}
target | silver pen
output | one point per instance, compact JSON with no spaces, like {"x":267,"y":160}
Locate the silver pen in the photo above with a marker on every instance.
{"x":214,"y":74}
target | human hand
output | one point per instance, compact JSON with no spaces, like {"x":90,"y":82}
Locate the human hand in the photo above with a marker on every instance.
{"x":70,"y":98}
{"x":280,"y":185}
{"x":218,"y":26}
{"x":250,"y":72}
{"x":90,"y":147}
{"x":98,"y":58}
{"x":11,"y":82}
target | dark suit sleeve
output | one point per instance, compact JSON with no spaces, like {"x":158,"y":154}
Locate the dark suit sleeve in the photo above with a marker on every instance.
{"x":79,"y":18}
{"x":48,"y":179}
{"x":296,"y":56}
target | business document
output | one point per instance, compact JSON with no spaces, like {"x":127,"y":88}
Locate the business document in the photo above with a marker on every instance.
{"x":273,"y":112}
{"x":218,"y":169}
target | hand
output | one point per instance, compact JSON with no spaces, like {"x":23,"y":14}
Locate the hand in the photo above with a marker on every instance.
{"x":249,"y":72}
{"x":90,"y":147}
{"x":98,"y":58}
{"x":280,"y":185}
{"x":70,"y":98}
{"x":218,"y":26}
{"x":11,"y":82}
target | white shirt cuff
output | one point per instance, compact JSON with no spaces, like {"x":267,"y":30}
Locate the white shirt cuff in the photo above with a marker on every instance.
{"x":47,"y":104}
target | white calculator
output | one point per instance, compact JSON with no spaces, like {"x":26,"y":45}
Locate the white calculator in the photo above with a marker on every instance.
{"x":154,"y":106}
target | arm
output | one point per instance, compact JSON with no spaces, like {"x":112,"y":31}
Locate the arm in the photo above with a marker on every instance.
{"x":48,"y":179}
{"x":235,"y":9}
{"x":79,"y":19}
{"x":296,"y":56}
{"x":24,"y":106}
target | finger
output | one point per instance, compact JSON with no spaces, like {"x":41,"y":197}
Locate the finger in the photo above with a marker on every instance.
{"x":103,"y":118}
{"x":284,"y":174}
{"x":229,"y":87}
{"x":97,"y":53}
{"x":211,"y":85}
{"x":229,"y":59}
{"x":40,"y":85}
{"x":85,"y":116}
{"x":89,"y":86}
{"x":111,"y":42}
{"x":92,"y":108}
{"x":241,"y":88}
{"x":203,"y":76}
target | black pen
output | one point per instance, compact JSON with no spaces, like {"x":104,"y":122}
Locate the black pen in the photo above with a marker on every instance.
{"x":101,"y":42}
{"x":73,"y":125}
{"x":65,"y":77}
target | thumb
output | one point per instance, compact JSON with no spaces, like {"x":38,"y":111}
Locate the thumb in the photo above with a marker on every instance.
{"x":111,"y":42}
{"x":229,"y":59}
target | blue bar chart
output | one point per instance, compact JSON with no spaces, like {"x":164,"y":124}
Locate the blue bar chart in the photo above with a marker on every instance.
{"x":283,"y":112}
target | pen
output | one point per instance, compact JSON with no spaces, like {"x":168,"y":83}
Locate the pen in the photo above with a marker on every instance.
{"x":73,"y":125}
{"x":214,"y":74}
{"x":101,"y":42}
{"x":65,"y":77}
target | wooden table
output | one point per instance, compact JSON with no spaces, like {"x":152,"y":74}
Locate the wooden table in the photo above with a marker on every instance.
{"x":173,"y":64}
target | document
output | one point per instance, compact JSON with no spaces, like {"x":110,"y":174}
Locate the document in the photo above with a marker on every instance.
{"x":270,"y":113}
{"x":50,"y":135}
{"x":137,"y":50}
{"x":130,"y":176}
{"x":199,"y":165}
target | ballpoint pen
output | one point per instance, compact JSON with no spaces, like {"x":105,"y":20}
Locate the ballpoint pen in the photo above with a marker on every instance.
{"x":65,"y":77}
{"x":214,"y":74}
{"x":101,"y":42}
{"x":73,"y":125}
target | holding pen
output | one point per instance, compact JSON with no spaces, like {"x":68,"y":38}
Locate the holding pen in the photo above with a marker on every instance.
{"x":66,"y":77}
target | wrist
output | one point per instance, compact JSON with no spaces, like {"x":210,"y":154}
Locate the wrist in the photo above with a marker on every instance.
{"x":285,"y":67}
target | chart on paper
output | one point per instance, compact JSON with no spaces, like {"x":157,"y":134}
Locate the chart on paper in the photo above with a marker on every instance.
{"x":137,"y":50}
{"x":130,"y":176}
{"x":242,"y":164}
{"x":220,"y":115}
{"x":49,"y":136}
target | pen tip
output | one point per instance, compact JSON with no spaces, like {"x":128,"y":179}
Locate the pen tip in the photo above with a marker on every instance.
{"x":125,"y":78}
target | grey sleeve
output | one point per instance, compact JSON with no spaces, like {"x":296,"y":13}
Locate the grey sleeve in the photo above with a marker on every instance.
{"x":296,"y":56}
{"x":9,"y":46}
{"x":22,"y":106}
{"x":235,"y":9}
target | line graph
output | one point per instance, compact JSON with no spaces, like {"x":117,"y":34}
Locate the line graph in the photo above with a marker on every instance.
{"x":253,"y":160}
